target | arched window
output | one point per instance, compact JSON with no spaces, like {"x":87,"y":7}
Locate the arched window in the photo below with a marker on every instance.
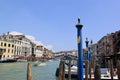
{"x":4,"y":44}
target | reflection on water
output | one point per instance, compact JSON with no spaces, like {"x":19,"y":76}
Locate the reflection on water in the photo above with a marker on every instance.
{"x":13,"y":71}
{"x":18,"y":71}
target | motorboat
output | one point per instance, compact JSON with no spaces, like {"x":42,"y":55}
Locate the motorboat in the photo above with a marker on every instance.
{"x":21,"y":60}
{"x":39,"y":63}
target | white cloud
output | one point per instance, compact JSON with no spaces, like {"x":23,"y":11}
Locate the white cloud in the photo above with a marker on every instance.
{"x":49,"y":47}
{"x":16,"y":33}
{"x":30,"y":37}
{"x":34,"y":40}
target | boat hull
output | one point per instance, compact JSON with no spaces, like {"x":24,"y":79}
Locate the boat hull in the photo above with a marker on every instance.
{"x":8,"y":61}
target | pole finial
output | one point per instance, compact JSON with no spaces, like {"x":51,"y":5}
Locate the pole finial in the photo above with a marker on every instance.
{"x":78,"y":20}
{"x":91,"y":41}
{"x":86,"y":39}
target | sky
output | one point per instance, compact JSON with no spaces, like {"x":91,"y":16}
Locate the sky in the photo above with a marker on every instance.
{"x":52,"y":22}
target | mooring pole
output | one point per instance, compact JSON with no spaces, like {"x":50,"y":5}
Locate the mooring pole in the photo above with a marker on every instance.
{"x":87,"y":47}
{"x":29,"y":71}
{"x":87,"y":59}
{"x":80,"y":52}
{"x":69,"y":70}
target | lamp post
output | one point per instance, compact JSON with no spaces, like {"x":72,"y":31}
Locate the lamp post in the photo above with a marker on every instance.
{"x":80,"y":53}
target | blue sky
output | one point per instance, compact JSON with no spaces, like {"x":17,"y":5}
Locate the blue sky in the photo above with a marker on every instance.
{"x":52,"y":22}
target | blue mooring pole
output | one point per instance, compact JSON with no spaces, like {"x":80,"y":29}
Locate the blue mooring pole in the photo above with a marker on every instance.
{"x":80,"y":52}
{"x":87,"y":55}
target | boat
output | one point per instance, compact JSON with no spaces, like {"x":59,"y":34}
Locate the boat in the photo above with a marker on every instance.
{"x":21,"y":60}
{"x":8,"y":60}
{"x":73,"y":72}
{"x":105,"y":75}
{"x":39,"y":63}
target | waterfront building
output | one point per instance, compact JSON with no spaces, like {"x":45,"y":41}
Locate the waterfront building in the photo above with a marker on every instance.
{"x":6,"y":47}
{"x":38,"y":51}
{"x":18,"y":45}
{"x":47,"y":53}
{"x":108,"y":48}
{"x":23,"y":45}
{"x":50,"y":54}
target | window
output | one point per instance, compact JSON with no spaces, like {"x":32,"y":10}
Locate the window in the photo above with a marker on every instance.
{"x":4,"y":44}
{"x":4,"y":50}
{"x":3,"y":56}
{"x":12,"y":51}
{"x":12,"y":46}
{"x":103,"y":43}
{"x":113,"y":36}
{"x":118,"y":34}
{"x":8,"y":45}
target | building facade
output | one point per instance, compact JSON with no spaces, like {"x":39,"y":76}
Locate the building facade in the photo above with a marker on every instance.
{"x":14,"y":46}
{"x":108,"y":48}
{"x":6,"y":47}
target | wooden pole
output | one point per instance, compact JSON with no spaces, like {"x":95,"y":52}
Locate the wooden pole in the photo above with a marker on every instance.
{"x":94,"y":63}
{"x":61,"y":70}
{"x":109,"y":66}
{"x":86,"y":70}
{"x":97,"y":73}
{"x":69,"y":70}
{"x":90,"y":70}
{"x":118,"y":70}
{"x":29,"y":72}
{"x":111,"y":69}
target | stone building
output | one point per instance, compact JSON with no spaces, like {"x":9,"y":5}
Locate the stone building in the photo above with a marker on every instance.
{"x":108,"y":48}
{"x":23,"y":45}
{"x":6,"y":47}
{"x":18,"y":45}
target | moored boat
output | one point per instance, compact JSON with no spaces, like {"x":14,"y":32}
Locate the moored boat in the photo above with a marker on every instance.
{"x":8,"y":60}
{"x":105,"y":75}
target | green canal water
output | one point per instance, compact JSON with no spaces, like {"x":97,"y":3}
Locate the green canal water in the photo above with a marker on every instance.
{"x":18,"y":71}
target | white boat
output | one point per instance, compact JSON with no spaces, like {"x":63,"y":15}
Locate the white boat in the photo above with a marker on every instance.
{"x":21,"y":60}
{"x":38,"y":63}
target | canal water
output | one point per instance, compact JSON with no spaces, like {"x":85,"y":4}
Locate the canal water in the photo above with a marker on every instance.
{"x":18,"y":71}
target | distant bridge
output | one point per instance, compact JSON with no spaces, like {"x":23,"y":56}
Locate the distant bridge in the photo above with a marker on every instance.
{"x":66,"y":56}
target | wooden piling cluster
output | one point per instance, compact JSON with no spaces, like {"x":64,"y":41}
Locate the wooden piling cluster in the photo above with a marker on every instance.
{"x":97,"y":72}
{"x":61,"y":75}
